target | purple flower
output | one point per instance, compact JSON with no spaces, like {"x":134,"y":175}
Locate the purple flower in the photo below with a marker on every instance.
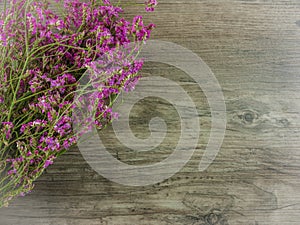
{"x":139,"y":30}
{"x":13,"y":171}
{"x":32,"y":23}
{"x":7,"y":129}
{"x":3,"y":39}
{"x":106,"y":2}
{"x":63,"y":125}
{"x":150,"y":4}
{"x":48,"y":163}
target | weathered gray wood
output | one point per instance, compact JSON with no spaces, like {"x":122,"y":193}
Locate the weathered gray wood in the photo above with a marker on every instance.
{"x":253,"y":48}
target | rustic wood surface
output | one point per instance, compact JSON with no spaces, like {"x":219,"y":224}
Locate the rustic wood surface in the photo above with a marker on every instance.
{"x":253,"y":48}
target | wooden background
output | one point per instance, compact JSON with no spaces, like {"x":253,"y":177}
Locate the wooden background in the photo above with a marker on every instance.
{"x":253,"y":48}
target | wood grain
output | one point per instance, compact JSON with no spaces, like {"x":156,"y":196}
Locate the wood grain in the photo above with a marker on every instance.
{"x":253,"y":48}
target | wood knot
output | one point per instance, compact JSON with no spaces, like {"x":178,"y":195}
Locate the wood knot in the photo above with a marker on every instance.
{"x":248,"y":117}
{"x":283,"y":122}
{"x":213,"y":218}
{"x":216,"y":219}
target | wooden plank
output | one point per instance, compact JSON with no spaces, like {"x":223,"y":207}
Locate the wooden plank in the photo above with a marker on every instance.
{"x":253,"y":49}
